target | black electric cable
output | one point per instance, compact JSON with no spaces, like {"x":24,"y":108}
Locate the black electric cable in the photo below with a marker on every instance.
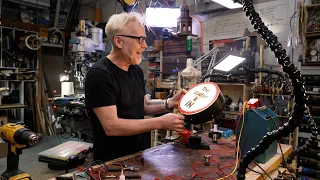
{"x":262,"y":169}
{"x":265,"y":173}
{"x":299,"y":90}
{"x":255,"y":171}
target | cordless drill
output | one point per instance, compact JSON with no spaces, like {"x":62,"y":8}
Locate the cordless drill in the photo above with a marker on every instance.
{"x":17,"y":137}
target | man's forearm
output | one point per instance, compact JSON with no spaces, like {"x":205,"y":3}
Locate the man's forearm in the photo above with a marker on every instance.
{"x":155,"y":107}
{"x":127,"y":127}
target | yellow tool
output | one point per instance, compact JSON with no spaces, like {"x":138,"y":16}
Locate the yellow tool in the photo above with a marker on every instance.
{"x":17,"y":137}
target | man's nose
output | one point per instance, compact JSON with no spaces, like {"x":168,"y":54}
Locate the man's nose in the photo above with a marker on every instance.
{"x":144,"y":44}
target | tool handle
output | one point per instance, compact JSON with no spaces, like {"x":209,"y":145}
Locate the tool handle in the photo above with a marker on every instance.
{"x":114,"y":169}
{"x":136,"y":176}
{"x":12,"y":159}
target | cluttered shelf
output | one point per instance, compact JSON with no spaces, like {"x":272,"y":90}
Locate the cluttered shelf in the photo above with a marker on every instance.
{"x":16,"y":24}
{"x":17,"y":68}
{"x":310,"y":35}
{"x":4,"y":80}
{"x":313,"y":34}
{"x":11,"y":106}
{"x":256,"y":94}
{"x":35,"y":4}
{"x":52,"y":45}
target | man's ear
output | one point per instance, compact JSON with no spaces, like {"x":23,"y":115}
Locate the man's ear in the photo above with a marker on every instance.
{"x":117,"y":42}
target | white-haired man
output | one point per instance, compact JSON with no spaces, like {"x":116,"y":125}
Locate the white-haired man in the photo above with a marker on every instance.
{"x":115,"y":94}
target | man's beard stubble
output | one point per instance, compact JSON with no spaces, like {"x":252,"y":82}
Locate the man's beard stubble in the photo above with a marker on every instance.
{"x":131,"y":57}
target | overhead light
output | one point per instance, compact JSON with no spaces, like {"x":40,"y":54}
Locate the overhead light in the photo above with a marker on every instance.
{"x":162,"y":17}
{"x":228,"y":63}
{"x":228,"y":3}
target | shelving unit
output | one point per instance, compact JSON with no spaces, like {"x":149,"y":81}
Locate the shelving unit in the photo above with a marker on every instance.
{"x":256,"y":95}
{"x":41,"y":5}
{"x":12,"y":106}
{"x":154,"y":66}
{"x":16,"y":73}
{"x":235,"y":91}
{"x":311,"y":35}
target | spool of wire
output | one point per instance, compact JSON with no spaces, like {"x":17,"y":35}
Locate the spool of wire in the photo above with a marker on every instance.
{"x":33,"y":42}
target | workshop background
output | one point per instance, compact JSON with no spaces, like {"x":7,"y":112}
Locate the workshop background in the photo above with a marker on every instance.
{"x":43,"y":67}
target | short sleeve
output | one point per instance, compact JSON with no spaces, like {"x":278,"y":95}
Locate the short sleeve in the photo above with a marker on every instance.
{"x":99,"y":89}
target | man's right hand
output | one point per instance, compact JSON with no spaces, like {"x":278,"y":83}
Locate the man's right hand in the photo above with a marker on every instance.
{"x":172,"y":122}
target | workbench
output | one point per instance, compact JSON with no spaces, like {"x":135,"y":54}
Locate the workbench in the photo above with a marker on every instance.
{"x":178,"y":162}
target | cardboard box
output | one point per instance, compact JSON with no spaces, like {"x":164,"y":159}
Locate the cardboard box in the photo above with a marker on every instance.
{"x":3,"y":149}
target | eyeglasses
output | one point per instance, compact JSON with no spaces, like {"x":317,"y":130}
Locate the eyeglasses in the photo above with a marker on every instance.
{"x":140,"y":38}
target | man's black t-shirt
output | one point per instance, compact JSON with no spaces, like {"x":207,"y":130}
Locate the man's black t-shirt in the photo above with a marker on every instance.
{"x":106,"y":85}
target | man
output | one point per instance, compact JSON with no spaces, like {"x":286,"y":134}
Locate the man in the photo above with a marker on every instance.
{"x":115,"y":94}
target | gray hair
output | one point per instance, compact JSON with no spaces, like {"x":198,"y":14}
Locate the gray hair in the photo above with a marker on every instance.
{"x":117,"y":23}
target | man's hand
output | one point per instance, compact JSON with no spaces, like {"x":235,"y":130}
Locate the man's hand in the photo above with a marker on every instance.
{"x":173,"y":102}
{"x":172,"y":122}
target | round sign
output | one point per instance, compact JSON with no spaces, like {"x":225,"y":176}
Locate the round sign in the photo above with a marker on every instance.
{"x":199,"y":98}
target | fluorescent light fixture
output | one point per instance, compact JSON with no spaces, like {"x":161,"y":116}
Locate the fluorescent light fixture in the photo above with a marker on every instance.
{"x":229,"y":63}
{"x":228,"y":3}
{"x":162,"y":17}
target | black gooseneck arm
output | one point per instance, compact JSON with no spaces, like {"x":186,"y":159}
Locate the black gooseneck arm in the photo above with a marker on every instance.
{"x":299,"y":109}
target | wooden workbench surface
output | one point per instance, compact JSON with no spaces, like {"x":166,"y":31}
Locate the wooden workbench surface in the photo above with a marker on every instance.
{"x":272,"y":164}
{"x":173,"y":159}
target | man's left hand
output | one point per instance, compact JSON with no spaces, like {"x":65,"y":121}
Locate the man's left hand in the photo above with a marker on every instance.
{"x":173,"y":102}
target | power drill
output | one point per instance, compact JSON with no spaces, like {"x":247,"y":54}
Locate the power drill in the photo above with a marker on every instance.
{"x":17,"y":137}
